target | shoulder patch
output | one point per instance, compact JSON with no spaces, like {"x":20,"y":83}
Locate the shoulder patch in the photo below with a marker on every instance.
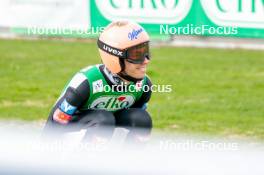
{"x":98,"y":86}
{"x":67,"y":108}
{"x":139,"y":85}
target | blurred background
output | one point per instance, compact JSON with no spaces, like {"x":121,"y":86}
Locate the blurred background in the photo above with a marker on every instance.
{"x":209,"y":51}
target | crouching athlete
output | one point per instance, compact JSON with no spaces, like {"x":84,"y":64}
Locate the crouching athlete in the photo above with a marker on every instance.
{"x":113,"y":94}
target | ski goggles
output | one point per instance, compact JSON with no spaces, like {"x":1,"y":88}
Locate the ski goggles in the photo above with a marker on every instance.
{"x":135,"y":54}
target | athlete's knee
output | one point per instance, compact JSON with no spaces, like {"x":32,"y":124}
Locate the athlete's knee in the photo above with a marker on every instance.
{"x":98,"y":117}
{"x":138,"y":122}
{"x":105,"y":117}
{"x":135,"y":118}
{"x":99,"y":124}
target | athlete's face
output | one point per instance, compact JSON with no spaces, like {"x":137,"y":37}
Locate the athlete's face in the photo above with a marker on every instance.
{"x":136,"y":70}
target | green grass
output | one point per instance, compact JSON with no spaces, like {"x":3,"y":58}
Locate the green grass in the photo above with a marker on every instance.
{"x":215,"y":92}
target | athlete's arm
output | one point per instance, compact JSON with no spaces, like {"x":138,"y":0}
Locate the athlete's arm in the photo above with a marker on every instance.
{"x":76,"y":94}
{"x":146,"y":95}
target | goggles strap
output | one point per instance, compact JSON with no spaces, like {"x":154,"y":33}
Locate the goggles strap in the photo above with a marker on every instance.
{"x":111,"y":50}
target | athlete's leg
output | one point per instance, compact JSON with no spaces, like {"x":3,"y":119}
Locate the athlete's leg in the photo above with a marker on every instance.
{"x":137,"y":121}
{"x":99,"y":125}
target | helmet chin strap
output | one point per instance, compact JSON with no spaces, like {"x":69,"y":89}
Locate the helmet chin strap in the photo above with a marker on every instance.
{"x":127,"y":77}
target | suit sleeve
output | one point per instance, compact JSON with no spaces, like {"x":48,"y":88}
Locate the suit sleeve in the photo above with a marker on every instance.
{"x":73,"y":98}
